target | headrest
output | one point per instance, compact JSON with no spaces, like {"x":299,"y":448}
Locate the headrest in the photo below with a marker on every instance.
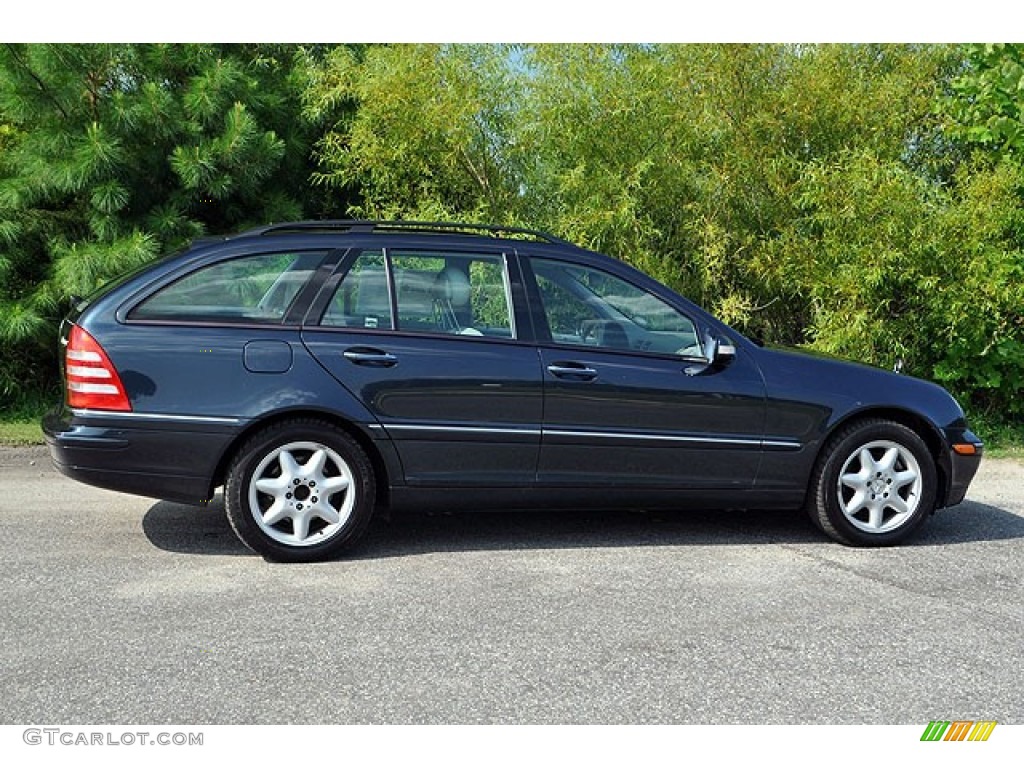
{"x":452,"y":285}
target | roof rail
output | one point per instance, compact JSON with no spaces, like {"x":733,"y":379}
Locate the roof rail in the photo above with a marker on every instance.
{"x":363,"y":225}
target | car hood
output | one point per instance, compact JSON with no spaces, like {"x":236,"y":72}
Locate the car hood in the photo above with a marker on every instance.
{"x":814,"y":354}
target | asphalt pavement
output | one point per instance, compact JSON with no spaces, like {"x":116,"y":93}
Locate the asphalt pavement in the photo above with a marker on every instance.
{"x":120,"y":609}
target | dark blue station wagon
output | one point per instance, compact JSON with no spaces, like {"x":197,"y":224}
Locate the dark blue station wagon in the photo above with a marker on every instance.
{"x":320,"y":371}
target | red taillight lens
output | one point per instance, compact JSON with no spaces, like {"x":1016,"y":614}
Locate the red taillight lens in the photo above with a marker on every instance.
{"x":92,"y":379}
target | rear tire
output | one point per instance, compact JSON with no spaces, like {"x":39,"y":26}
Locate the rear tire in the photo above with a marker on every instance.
{"x":300,"y":491}
{"x":874,"y":484}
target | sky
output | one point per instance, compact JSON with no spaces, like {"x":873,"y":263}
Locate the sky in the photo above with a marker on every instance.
{"x":518,"y":21}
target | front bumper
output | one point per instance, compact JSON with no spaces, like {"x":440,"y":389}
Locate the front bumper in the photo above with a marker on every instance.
{"x":960,"y":468}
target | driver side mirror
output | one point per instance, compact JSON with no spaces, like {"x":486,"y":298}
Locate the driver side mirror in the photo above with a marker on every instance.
{"x":724,"y":354}
{"x":718,"y":353}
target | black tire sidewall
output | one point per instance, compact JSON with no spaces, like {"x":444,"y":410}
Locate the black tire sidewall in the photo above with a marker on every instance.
{"x":240,"y":475}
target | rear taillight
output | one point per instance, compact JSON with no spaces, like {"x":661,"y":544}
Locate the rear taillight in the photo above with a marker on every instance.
{"x":92,"y":379}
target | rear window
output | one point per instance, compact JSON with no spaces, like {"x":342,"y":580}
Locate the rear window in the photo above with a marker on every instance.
{"x":249,"y":289}
{"x":80,"y":304}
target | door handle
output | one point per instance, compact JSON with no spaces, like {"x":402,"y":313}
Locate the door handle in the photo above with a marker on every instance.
{"x":370,"y":356}
{"x":576,"y":371}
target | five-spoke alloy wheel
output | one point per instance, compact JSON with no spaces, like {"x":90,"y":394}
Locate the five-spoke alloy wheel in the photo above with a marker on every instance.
{"x":300,"y":490}
{"x":873,"y":485}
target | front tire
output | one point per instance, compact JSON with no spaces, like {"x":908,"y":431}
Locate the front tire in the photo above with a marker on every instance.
{"x":300,"y":491}
{"x":874,"y":484}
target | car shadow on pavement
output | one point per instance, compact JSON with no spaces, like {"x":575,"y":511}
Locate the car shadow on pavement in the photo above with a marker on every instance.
{"x":968,"y":522}
{"x":205,"y":531}
{"x":192,"y":529}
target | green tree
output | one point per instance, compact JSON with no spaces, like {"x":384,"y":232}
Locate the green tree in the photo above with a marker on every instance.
{"x":428,"y":135}
{"x":110,"y":154}
{"x":986,"y":106}
{"x":683,"y":160}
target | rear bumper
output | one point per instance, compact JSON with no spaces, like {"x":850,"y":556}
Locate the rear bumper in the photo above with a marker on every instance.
{"x":133,"y":454}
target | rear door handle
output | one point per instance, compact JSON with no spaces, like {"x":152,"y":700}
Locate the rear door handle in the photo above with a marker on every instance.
{"x":370,"y":356}
{"x":577,"y":371}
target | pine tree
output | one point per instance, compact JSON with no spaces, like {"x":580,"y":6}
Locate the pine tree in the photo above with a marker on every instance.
{"x":110,"y":154}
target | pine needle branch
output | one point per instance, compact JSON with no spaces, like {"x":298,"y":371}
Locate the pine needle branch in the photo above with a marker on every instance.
{"x":42,"y":86}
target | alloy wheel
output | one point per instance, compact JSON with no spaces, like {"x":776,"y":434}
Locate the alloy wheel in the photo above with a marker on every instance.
{"x":879,"y":486}
{"x":301,"y":494}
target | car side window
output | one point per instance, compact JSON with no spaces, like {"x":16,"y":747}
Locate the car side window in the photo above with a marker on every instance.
{"x":249,"y":289}
{"x":362,"y":299}
{"x":589,"y":307}
{"x":435,"y":292}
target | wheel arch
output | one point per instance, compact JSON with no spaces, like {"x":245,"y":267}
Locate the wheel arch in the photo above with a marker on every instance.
{"x":372,"y":450}
{"x":921,"y":426}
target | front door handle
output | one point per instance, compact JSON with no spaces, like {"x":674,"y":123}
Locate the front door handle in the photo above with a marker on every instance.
{"x":576,"y":371}
{"x":370,"y":356}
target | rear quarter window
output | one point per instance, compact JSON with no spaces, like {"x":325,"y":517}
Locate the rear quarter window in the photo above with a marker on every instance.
{"x":249,"y":289}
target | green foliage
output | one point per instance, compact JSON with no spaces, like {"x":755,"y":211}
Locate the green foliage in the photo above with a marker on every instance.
{"x":981,"y":349}
{"x":860,"y":249}
{"x":1003,"y":438}
{"x":807,"y":194}
{"x":111,"y":154}
{"x":895,"y":267}
{"x":683,"y":160}
{"x":82,"y":267}
{"x":863,"y":200}
{"x":987,"y":103}
{"x":427,"y":136}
